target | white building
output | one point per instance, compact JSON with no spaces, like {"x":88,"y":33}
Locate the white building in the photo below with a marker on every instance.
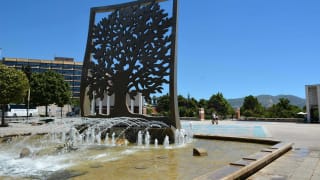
{"x":313,"y":102}
{"x":98,"y":106}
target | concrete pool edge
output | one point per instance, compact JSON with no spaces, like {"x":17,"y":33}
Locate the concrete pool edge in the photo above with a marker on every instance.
{"x":249,"y":165}
{"x":238,"y":139}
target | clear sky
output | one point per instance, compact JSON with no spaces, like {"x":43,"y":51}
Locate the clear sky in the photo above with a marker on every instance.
{"x":236,"y":47}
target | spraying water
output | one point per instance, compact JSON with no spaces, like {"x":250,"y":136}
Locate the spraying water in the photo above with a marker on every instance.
{"x":60,"y":149}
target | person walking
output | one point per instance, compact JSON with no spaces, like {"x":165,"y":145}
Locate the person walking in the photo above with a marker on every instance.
{"x":214,"y":118}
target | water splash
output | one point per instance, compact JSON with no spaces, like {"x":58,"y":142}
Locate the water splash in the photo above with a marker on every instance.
{"x":166,"y":142}
{"x":52,"y":152}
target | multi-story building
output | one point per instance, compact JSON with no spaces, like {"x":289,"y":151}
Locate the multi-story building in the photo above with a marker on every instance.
{"x":70,"y":69}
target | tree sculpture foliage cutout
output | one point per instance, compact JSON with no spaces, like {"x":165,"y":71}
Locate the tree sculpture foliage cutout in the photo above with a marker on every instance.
{"x":131,"y":53}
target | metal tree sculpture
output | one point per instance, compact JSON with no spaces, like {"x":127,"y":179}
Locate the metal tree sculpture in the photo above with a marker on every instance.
{"x":131,"y":51}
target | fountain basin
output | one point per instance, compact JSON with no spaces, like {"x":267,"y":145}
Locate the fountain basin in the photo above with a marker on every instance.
{"x":119,"y":162}
{"x":49,"y":158}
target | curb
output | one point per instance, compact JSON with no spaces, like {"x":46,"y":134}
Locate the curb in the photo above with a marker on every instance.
{"x":248,"y":165}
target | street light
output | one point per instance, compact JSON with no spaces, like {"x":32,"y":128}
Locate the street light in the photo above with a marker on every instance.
{"x":28,"y":103}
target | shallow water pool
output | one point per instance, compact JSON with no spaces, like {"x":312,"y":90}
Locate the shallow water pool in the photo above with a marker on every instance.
{"x":125,"y":162}
{"x":241,"y":130}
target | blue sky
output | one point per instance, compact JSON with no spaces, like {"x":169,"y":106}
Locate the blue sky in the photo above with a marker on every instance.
{"x":236,"y":47}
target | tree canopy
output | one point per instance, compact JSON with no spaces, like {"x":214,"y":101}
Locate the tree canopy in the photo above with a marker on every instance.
{"x":283,"y":109}
{"x":49,"y":88}
{"x":13,"y":86}
{"x":188,"y":107}
{"x":251,"y":107}
{"x":163,"y":104}
{"x":219,"y":104}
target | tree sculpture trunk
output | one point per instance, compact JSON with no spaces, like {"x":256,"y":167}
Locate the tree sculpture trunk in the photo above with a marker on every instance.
{"x":120,"y":105}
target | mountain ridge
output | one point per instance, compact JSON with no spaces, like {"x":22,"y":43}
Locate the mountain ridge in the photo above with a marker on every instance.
{"x":269,"y":100}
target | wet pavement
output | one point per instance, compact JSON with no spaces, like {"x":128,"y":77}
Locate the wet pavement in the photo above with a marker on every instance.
{"x":299,"y":164}
{"x":302,"y":162}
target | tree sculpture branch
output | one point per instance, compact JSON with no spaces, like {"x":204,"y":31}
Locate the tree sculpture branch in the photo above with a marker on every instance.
{"x":131,"y":52}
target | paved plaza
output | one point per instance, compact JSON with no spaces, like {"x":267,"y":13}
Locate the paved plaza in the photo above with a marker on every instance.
{"x":302,"y":162}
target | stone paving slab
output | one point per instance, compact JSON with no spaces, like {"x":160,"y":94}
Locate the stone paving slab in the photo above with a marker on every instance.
{"x":291,"y":166}
{"x":301,"y":163}
{"x":33,"y":127}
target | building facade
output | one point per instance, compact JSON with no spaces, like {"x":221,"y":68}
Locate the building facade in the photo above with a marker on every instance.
{"x":70,"y":69}
{"x":313,"y":102}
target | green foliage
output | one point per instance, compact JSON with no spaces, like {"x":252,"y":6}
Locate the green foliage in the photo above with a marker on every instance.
{"x":251,"y":107}
{"x":203,"y":103}
{"x":149,"y":109}
{"x":163,"y":105}
{"x":188,"y":107}
{"x":28,"y":71}
{"x":220,"y":105}
{"x":49,"y":88}
{"x":75,"y":102}
{"x":13,"y":87}
{"x":283,"y":109}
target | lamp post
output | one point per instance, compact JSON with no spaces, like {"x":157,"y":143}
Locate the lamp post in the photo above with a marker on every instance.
{"x":27,"y":71}
{"x":28,"y":103}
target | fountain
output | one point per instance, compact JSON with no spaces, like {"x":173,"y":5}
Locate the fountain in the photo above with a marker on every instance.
{"x":121,"y":66}
{"x":114,"y":76}
{"x":79,"y":152}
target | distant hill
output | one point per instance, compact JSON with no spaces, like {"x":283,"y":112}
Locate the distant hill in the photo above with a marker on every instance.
{"x":268,"y":100}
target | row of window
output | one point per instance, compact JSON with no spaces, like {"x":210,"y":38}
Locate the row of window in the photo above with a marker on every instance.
{"x":63,"y":72}
{"x":72,"y":78}
{"x":44,"y":65}
{"x":75,"y":89}
{"x":74,"y":83}
{"x":76,"y":94}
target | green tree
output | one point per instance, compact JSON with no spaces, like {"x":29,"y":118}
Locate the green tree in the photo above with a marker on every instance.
{"x":251,"y":107}
{"x":219,"y":104}
{"x":203,"y":103}
{"x":163,"y":104}
{"x":28,"y":71}
{"x":188,"y":107}
{"x":49,"y":88}
{"x":13,"y":87}
{"x":64,"y":96}
{"x":283,"y":109}
{"x":75,"y":103}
